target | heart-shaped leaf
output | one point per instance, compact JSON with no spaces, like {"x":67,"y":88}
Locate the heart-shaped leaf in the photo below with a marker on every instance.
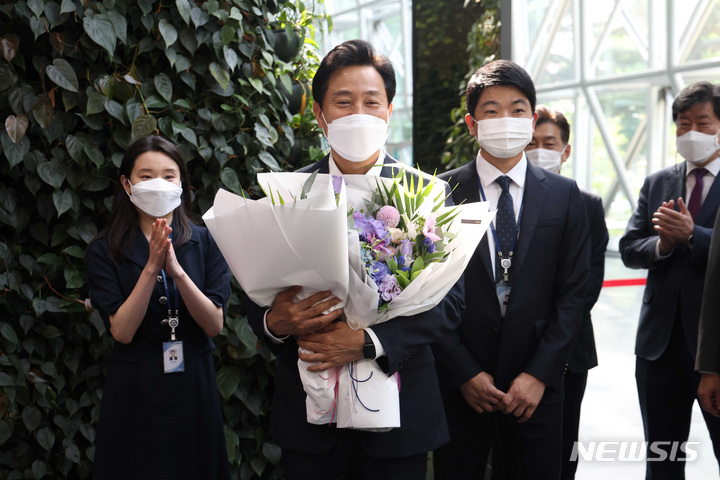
{"x":101,"y":31}
{"x":16,"y":127}
{"x":163,"y":84}
{"x":9,"y":46}
{"x":62,"y":73}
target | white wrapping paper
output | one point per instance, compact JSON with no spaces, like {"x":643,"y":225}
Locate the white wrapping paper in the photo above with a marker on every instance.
{"x":307,"y":242}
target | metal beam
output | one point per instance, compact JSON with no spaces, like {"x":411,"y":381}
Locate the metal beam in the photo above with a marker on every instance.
{"x":612,"y":149}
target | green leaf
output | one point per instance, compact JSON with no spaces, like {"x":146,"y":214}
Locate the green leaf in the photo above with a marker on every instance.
{"x":46,"y":438}
{"x":72,"y":453}
{"x":272,"y":452}
{"x":39,"y":469}
{"x":74,"y":278}
{"x":52,"y":173}
{"x":168,"y":32}
{"x":189,"y":135}
{"x":198,"y":17}
{"x":14,"y":152}
{"x":37,"y":6}
{"x":73,"y":251}
{"x":68,"y":6}
{"x":115,"y":109}
{"x":8,"y":333}
{"x":163,"y":85}
{"x":230,"y":57}
{"x":6,"y":429}
{"x":7,"y":77}
{"x":101,"y":31}
{"x":228,"y":380}
{"x":95,"y":103}
{"x":43,"y":111}
{"x":269,"y":160}
{"x":31,"y":418}
{"x":119,"y":24}
{"x":230,"y":179}
{"x":227,"y":34}
{"x":256,"y":83}
{"x":63,"y":200}
{"x":16,"y":127}
{"x":143,"y":126}
{"x":220,"y":75}
{"x":62,"y":74}
{"x":183,"y":7}
{"x":6,"y":380}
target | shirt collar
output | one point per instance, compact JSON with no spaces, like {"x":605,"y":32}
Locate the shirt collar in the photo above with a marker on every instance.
{"x":375,"y":170}
{"x":712,"y":167}
{"x":489,"y":172}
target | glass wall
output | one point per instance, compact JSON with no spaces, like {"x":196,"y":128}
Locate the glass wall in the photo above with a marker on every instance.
{"x":387,"y":24}
{"x":614,"y":67}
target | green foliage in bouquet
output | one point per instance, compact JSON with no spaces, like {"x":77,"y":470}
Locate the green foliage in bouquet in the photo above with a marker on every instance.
{"x":79,"y":82}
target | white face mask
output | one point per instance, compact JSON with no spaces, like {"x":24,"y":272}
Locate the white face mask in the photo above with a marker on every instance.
{"x":697,"y":147}
{"x":156,"y":197}
{"x":504,"y":137}
{"x":358,"y":136}
{"x":548,"y":159}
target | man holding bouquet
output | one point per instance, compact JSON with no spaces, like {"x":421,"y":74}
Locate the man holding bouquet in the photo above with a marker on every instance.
{"x":502,"y":369}
{"x":353,"y":91}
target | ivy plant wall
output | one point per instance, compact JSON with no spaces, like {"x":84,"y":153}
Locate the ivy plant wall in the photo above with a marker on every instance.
{"x":483,"y":46}
{"x":79,"y":81}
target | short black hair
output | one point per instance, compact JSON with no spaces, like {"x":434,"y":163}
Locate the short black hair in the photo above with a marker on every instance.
{"x":698,"y":92}
{"x":349,"y":54}
{"x":549,"y":115}
{"x":498,"y":73}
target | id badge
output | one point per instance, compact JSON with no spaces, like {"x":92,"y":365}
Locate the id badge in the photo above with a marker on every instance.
{"x":503,"y":294}
{"x":173,"y":358}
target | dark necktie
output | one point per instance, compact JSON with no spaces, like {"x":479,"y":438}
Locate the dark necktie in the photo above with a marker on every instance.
{"x":696,"y":196}
{"x":504,"y":223}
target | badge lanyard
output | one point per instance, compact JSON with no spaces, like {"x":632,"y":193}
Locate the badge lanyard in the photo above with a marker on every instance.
{"x":173,"y":302}
{"x":505,"y":263}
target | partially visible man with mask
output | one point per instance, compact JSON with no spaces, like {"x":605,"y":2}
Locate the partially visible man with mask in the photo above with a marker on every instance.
{"x":549,"y":149}
{"x":502,"y":370}
{"x":670,"y":237}
{"x":353,"y":91}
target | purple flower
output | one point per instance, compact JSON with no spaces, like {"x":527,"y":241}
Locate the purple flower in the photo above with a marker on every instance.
{"x":406,"y":248}
{"x":337,"y":182}
{"x":372,"y":231}
{"x":400,"y":261}
{"x":378,"y":271}
{"x":429,"y":245}
{"x":389,"y":288}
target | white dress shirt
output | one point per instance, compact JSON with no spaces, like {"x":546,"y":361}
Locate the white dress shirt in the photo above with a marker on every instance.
{"x":488,"y":173}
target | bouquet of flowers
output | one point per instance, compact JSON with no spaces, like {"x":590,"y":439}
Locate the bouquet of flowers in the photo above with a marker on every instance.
{"x":385,"y":246}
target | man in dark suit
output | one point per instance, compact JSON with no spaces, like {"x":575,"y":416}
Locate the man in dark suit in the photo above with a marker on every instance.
{"x":502,"y":369}
{"x":708,"y":353}
{"x":549,"y":149}
{"x":353,"y":91}
{"x":671,"y":238}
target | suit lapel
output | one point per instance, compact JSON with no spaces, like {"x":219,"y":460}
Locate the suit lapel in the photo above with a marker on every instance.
{"x":532,"y":204}
{"x":468,"y":189}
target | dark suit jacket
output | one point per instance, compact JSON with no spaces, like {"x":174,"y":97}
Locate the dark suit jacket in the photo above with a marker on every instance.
{"x":584,"y":355}
{"x":674,"y":284}
{"x":708,"y":352}
{"x":551,"y":266}
{"x":405,"y":340}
